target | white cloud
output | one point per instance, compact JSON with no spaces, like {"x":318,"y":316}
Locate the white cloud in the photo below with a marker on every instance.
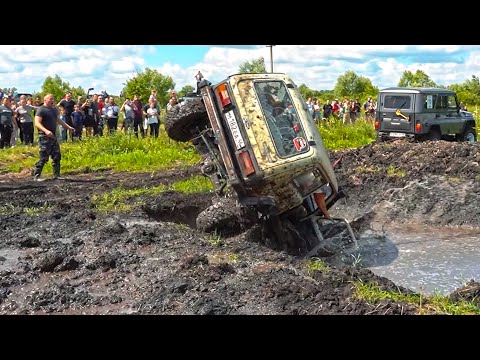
{"x":317,"y":66}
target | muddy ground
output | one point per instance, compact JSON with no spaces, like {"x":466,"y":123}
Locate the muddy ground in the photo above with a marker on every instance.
{"x":58,"y":255}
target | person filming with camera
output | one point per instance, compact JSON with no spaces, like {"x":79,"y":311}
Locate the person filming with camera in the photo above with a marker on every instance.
{"x":112,"y":112}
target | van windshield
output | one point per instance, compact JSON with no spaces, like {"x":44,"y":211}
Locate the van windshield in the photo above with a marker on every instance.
{"x":397,"y":101}
{"x":282,"y":118}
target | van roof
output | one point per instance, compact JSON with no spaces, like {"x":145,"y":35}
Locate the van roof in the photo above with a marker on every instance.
{"x":417,"y":90}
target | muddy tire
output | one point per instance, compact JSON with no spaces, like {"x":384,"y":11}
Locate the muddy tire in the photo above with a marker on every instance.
{"x":434,"y":135}
{"x":183,"y":120}
{"x":224,"y":218}
{"x":469,"y":135}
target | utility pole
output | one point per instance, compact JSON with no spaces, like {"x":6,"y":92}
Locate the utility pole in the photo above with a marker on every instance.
{"x":271,"y":57}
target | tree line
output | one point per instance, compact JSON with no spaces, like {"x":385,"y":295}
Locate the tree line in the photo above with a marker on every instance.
{"x":352,"y":86}
{"x":348,"y":85}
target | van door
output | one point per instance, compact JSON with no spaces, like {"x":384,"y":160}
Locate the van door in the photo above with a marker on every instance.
{"x":454,"y":126}
{"x":396,"y":113}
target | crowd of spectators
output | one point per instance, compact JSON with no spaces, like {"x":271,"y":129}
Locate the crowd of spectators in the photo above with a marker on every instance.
{"x":348,"y":110}
{"x":91,"y":115}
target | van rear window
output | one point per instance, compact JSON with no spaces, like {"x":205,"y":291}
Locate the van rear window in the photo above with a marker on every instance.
{"x":397,"y":101}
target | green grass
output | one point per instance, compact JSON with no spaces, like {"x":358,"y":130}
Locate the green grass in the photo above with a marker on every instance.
{"x":393,"y":171}
{"x":215,"y":239}
{"x":435,"y":304}
{"x":315,"y":264}
{"x":119,"y":153}
{"x":337,"y":136}
{"x":9,"y":209}
{"x":123,"y":152}
{"x":117,"y":199}
{"x":363,"y":169}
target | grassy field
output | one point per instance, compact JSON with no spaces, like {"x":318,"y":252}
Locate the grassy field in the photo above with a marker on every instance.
{"x":119,"y":152}
{"x":337,"y":135}
{"x":123,"y":152}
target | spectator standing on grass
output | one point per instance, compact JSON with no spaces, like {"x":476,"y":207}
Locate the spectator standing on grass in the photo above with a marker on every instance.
{"x":153,"y":116}
{"x":316,"y":110}
{"x":96,"y":115}
{"x":24,"y":114}
{"x":68,"y":105}
{"x":77,"y":120}
{"x":7,"y":124}
{"x":90,"y":119}
{"x":137,"y":116}
{"x":129,"y":115}
{"x":112,"y":111}
{"x":46,"y":121}
{"x":146,"y":124}
{"x":327,"y":110}
{"x":101,"y":115}
{"x":346,"y":111}
{"x":15,"y":131}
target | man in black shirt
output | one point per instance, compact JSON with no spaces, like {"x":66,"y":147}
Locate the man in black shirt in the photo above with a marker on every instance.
{"x":67,"y":105}
{"x":46,"y":120}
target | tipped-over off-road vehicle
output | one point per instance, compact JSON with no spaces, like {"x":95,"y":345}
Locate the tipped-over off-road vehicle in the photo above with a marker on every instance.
{"x":422,"y":114}
{"x":266,"y":158}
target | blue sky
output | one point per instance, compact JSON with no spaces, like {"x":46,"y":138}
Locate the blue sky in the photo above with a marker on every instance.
{"x":318,"y":66}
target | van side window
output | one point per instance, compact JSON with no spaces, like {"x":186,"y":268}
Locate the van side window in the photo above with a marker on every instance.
{"x":452,"y":103}
{"x":429,"y":101}
{"x":442,"y":102}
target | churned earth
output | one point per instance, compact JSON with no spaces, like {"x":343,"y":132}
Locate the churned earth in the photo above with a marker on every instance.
{"x":59,"y":255}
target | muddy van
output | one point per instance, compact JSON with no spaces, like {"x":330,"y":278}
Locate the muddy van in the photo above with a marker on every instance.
{"x":266,"y":160}
{"x":422,"y":114}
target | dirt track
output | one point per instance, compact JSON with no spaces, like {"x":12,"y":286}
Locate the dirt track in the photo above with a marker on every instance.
{"x":69,"y":259}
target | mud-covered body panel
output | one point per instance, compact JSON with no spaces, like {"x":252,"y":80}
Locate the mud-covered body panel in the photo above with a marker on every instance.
{"x":279,"y":172}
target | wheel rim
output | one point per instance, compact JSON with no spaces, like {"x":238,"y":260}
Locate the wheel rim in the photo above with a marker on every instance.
{"x":470,"y":138}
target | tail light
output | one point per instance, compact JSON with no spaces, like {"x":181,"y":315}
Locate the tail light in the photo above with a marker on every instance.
{"x":418,"y":127}
{"x":246,"y":163}
{"x":377,"y":124}
{"x":223,"y":95}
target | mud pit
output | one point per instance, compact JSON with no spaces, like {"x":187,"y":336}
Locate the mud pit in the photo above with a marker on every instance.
{"x":58,"y":255}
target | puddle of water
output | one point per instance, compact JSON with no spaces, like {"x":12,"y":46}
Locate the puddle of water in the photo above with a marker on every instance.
{"x":428,"y":260}
{"x":9,"y":258}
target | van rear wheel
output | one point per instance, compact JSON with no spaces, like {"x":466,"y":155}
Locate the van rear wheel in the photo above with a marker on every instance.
{"x":434,"y":135}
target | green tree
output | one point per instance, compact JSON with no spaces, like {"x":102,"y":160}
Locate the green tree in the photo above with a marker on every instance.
{"x":469,"y":91}
{"x":144,"y":82}
{"x":306,"y":91}
{"x":77,"y":91}
{"x":352,"y":86}
{"x":12,"y":90}
{"x":55,"y":86}
{"x":419,"y":79}
{"x":185,"y":90}
{"x":253,"y":66}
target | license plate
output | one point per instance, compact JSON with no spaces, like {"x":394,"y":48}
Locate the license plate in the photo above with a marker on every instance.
{"x":394,"y":134}
{"x":234,"y":129}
